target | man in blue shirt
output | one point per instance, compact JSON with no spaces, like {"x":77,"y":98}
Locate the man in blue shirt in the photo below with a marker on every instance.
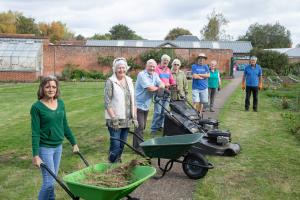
{"x":146,"y":84}
{"x":200,"y":74}
{"x":253,"y":77}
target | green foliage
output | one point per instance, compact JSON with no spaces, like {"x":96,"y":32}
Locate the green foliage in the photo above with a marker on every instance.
{"x":175,"y":32}
{"x":79,"y":37}
{"x":123,"y":32}
{"x":272,"y":60}
{"x":133,"y":64}
{"x":268,"y":36}
{"x":106,"y":36}
{"x":72,"y":72}
{"x":67,"y":71}
{"x":156,"y":55}
{"x":26,"y":25}
{"x":8,"y":22}
{"x":213,"y":30}
{"x":269,"y":72}
{"x":293,"y":68}
{"x":106,"y":60}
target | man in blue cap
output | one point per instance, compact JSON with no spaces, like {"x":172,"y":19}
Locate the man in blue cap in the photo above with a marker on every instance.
{"x":252,"y":82}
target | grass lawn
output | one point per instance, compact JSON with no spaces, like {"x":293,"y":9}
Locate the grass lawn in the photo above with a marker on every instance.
{"x":268,"y":166}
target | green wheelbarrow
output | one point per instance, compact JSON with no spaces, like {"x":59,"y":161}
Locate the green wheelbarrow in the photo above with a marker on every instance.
{"x":72,"y":182}
{"x":175,"y":149}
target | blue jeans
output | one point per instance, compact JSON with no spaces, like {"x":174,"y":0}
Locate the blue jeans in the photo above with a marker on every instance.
{"x":159,"y":115}
{"x":116,"y":147}
{"x":51,"y":158}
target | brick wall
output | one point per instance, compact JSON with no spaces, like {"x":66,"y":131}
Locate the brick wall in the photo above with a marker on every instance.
{"x":18,"y":76}
{"x":57,"y":56}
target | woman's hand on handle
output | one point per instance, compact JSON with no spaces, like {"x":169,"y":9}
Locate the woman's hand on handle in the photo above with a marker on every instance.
{"x":36,"y":161}
{"x":75,"y":148}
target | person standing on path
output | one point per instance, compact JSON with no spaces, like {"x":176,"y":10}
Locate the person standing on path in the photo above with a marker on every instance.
{"x":200,"y":74}
{"x":166,"y":77}
{"x":120,"y":110}
{"x":252,"y":82}
{"x":147,"y":83}
{"x":49,"y":126}
{"x":214,"y":84}
{"x":181,"y":81}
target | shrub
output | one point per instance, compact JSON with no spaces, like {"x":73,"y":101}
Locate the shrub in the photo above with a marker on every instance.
{"x":272,"y":60}
{"x":156,"y":55}
{"x":72,"y":72}
{"x":67,"y":71}
{"x":105,"y":60}
{"x":132,"y":63}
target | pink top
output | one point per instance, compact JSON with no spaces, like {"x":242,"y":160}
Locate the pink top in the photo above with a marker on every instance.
{"x":165,"y":75}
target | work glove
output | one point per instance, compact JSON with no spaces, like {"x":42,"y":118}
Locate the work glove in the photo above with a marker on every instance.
{"x":135,"y":123}
{"x":115,"y":124}
{"x":260,"y":86}
{"x":243,"y":86}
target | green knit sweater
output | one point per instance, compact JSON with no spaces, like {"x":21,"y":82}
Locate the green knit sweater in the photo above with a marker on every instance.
{"x":49,"y":127}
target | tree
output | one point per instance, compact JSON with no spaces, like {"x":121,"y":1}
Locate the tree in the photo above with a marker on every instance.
{"x":79,"y":37}
{"x":106,"y":36}
{"x":122,"y":32}
{"x":55,"y":31}
{"x":26,"y":25}
{"x":268,"y":36}
{"x":272,"y":60}
{"x":175,"y":32}
{"x":8,"y":22}
{"x":213,"y":30}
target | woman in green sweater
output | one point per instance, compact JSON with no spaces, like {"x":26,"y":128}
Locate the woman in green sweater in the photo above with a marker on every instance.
{"x":214,"y":84}
{"x":49,"y":127}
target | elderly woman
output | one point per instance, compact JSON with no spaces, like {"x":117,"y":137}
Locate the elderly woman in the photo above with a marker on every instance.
{"x":214,"y":84}
{"x":49,"y":127}
{"x":120,"y":110}
{"x":166,"y":77}
{"x":181,"y":81}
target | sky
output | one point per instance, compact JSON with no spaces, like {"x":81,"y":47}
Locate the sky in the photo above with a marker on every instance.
{"x":153,"y":19}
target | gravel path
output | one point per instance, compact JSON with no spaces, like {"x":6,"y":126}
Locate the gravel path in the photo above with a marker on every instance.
{"x":175,"y":184}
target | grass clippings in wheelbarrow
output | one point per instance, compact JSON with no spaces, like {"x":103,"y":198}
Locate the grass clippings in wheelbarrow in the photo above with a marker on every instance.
{"x":113,"y":177}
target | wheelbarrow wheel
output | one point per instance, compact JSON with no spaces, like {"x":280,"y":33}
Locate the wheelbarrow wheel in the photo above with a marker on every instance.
{"x":195,"y":172}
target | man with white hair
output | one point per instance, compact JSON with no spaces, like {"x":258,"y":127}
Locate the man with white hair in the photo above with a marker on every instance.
{"x":147,"y":83}
{"x":252,"y":82}
{"x":166,"y":77}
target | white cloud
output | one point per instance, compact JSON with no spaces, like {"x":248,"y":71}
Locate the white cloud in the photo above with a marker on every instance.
{"x":154,"y":19}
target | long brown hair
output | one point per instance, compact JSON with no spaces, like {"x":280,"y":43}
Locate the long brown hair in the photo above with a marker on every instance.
{"x":44,"y":81}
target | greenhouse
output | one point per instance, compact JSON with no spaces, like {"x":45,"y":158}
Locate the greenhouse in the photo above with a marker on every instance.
{"x":21,"y":55}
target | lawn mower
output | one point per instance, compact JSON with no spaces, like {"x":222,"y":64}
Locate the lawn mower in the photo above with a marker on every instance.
{"x":184,"y":119}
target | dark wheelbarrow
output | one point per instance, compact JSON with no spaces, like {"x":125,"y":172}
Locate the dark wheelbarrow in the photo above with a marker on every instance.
{"x":173,"y":148}
{"x":76,"y":189}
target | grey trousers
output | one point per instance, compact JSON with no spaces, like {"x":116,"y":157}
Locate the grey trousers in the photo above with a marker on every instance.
{"x":211,"y":96}
{"x":142,"y":119}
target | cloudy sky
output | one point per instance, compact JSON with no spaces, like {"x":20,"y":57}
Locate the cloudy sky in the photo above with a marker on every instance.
{"x":152,"y":19}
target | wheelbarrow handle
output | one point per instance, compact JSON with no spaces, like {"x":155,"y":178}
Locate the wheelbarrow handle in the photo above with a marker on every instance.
{"x":133,"y":133}
{"x":59,"y":181}
{"x":131,"y":147}
{"x":82,"y":158}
